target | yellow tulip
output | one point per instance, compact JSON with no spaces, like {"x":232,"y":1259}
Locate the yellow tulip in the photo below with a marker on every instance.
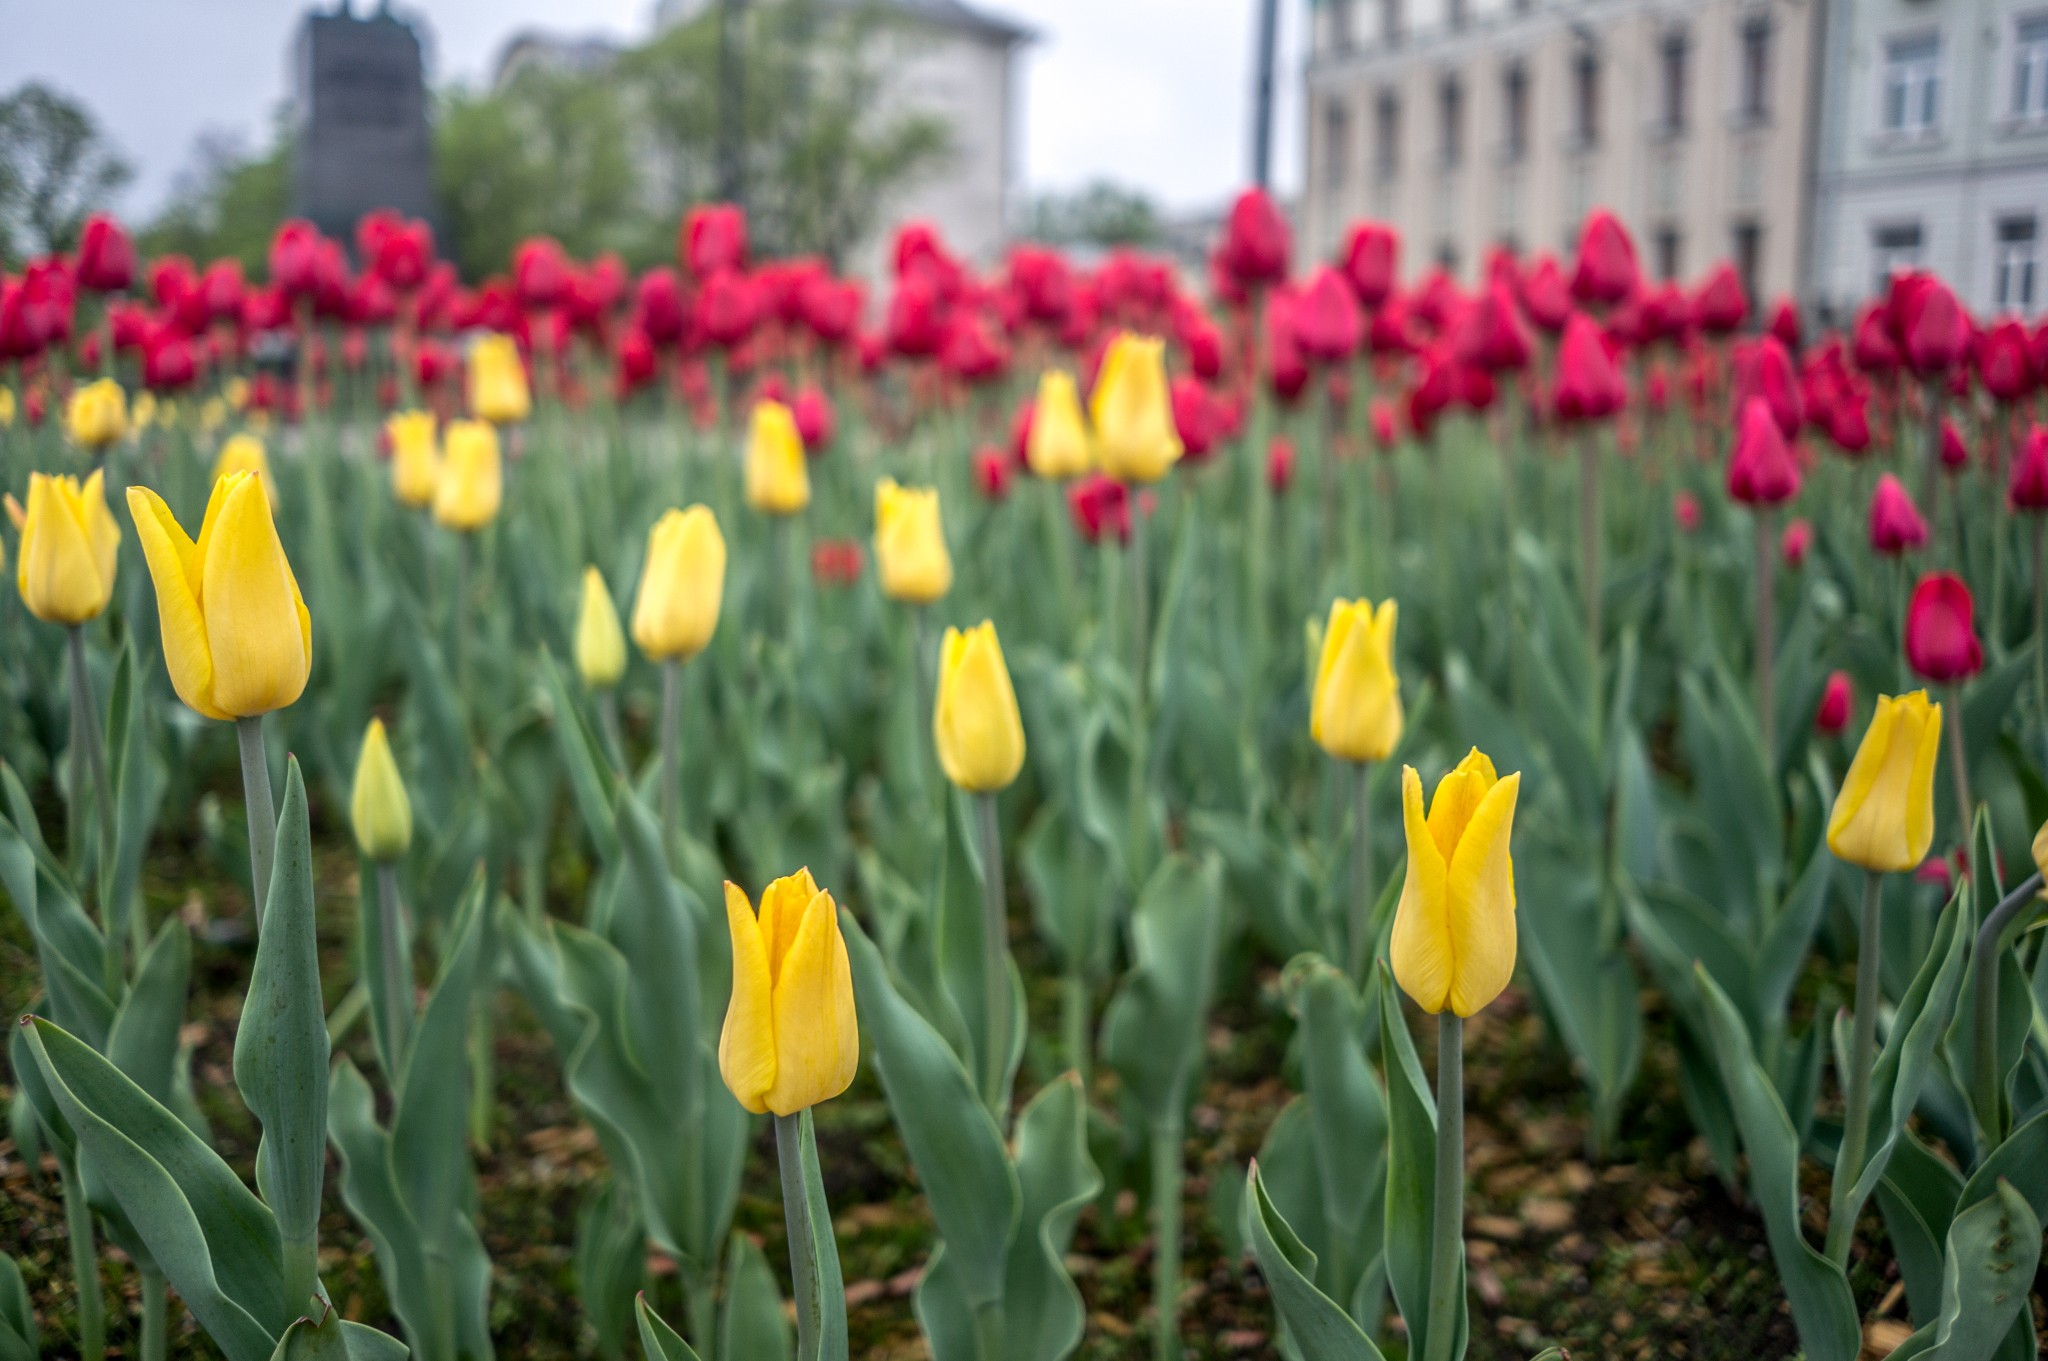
{"x":778,"y":482}
{"x":415,"y":457}
{"x":144,"y":413}
{"x":243,"y":453}
{"x":2041,"y":854}
{"x":1135,"y":437}
{"x":1356,"y":713}
{"x":1058,"y":447}
{"x":682,"y":585}
{"x":69,"y":541}
{"x":98,"y":414}
{"x":1454,"y":933}
{"x":6,"y":407}
{"x":378,"y":805}
{"x":790,"y":1039}
{"x":236,"y":391}
{"x":497,"y":381}
{"x":910,"y":543}
{"x":600,"y":643}
{"x":1884,"y":814}
{"x":237,"y":639}
{"x":472,"y":482}
{"x":975,"y":723}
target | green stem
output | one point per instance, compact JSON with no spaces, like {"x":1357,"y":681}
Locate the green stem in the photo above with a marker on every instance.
{"x":301,"y":1262}
{"x":463,"y":550}
{"x":1447,"y":1225}
{"x":701,"y":1304}
{"x":85,"y":1266}
{"x":671,"y":756}
{"x":1361,"y":867}
{"x":1856,"y":1082}
{"x":1141,"y":603}
{"x":995,"y":958}
{"x":1074,"y":1021}
{"x":392,"y":964}
{"x":87,"y":734}
{"x":1986,"y":1086}
{"x":1167,"y":1172}
{"x":154,"y":1341}
{"x":1959,"y":763}
{"x":803,"y":1262}
{"x":440,"y":1282}
{"x":2040,"y":641}
{"x":988,"y":1331}
{"x":1589,"y":563}
{"x":1766,"y":634}
{"x":608,"y":723}
{"x":262,"y":812}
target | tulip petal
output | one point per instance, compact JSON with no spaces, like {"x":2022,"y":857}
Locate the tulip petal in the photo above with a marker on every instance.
{"x":1481,"y":901}
{"x":746,"y":1044}
{"x":256,"y":625}
{"x":783,"y":904}
{"x":817,"y":1039}
{"x":168,"y":552}
{"x":1420,"y":949}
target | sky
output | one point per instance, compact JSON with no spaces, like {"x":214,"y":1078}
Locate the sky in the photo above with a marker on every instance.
{"x":1153,"y":94}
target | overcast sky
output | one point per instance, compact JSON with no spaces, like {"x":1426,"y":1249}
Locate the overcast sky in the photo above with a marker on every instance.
{"x":1151,"y":93}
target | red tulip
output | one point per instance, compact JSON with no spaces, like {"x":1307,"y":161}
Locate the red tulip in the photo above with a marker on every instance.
{"x":1796,"y":542}
{"x":1931,"y":322}
{"x":1385,"y":432}
{"x":836,"y":562}
{"x":295,"y":265}
{"x":713,"y":240}
{"x":1326,"y":320}
{"x":168,"y":363}
{"x":1372,"y":262}
{"x":1836,"y":701}
{"x":1279,"y":464}
{"x":1685,"y":509}
{"x":106,"y":257}
{"x":1286,"y":366}
{"x":1762,"y":471}
{"x":1875,"y":350}
{"x":540,"y":273}
{"x":1204,"y":344}
{"x":2028,"y":489}
{"x":1101,"y":505}
{"x":1955,"y":455}
{"x":1491,"y":332}
{"x":1044,"y":283}
{"x":1785,"y":324}
{"x":2005,"y":362}
{"x":1255,"y":245}
{"x":1763,"y":369}
{"x":832,"y":308}
{"x":1941,"y":635}
{"x":1198,"y":416}
{"x":993,"y":472}
{"x":815,"y":421}
{"x":635,"y":361}
{"x":658,"y":306}
{"x":1605,"y":269}
{"x":22,"y":330}
{"x":1895,"y":522}
{"x":1544,"y":295}
{"x":1720,"y":305}
{"x":726,"y":309}
{"x":1848,"y":422}
{"x":1589,"y":382}
{"x":916,"y":322}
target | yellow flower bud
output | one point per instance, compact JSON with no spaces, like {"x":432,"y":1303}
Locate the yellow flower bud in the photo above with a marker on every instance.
{"x":2041,"y":854}
{"x":682,"y":584}
{"x":975,"y":723}
{"x":778,"y":482}
{"x":600,"y":643}
{"x":1356,"y":712}
{"x":6,"y":407}
{"x":1135,"y":437}
{"x":472,"y":482}
{"x":378,"y":805}
{"x":1453,"y":946}
{"x":415,"y":457}
{"x":910,"y":543}
{"x":236,"y":390}
{"x":1058,"y":447}
{"x":790,"y":1039}
{"x":69,"y":545}
{"x":237,"y":638}
{"x":144,"y":413}
{"x":98,"y":414}
{"x":1883,"y":817}
{"x":497,"y":381}
{"x":243,"y":453}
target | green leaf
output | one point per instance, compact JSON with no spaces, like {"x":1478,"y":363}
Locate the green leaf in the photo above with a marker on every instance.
{"x":1918,"y":1195}
{"x":1347,"y":1118}
{"x":1318,"y":1325}
{"x":143,"y":1042}
{"x":1993,"y":1249}
{"x":18,"y":1340}
{"x":335,"y":1339}
{"x":281,"y":1045}
{"x":429,"y":1144}
{"x":827,"y":1309}
{"x":2022,"y":1160}
{"x":1822,"y":1307}
{"x":657,"y":1338}
{"x":70,"y":949}
{"x":611,"y":1265}
{"x":1154,"y":1027}
{"x":590,"y":779}
{"x":752,"y":1324}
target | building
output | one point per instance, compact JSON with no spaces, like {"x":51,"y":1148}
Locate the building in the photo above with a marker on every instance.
{"x":1474,"y":123}
{"x":1934,"y":150}
{"x":359,"y":118}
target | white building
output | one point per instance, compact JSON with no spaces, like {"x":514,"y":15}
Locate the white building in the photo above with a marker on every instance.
{"x":1934,"y":150}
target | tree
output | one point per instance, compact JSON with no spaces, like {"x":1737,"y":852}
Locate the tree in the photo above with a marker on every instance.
{"x":227,"y":203}
{"x":55,"y":170}
{"x":1101,"y":214}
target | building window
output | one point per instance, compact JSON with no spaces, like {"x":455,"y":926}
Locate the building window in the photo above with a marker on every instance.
{"x":1586,"y":98}
{"x":1673,"y":59}
{"x":1912,"y":83}
{"x":1451,"y":102}
{"x":1756,"y":69}
{"x":1749,"y":255}
{"x":1336,"y":142}
{"x":1387,"y":136}
{"x":1894,"y":246}
{"x":2015,"y":259}
{"x":1667,"y":253}
{"x":2030,"y":69}
{"x":1340,"y":26}
{"x":1447,"y":256}
{"x":1393,"y":23}
{"x":1459,"y":12}
{"x":1515,"y":112}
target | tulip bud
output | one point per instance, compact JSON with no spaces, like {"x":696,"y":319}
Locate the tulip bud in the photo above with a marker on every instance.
{"x":1355,"y":714}
{"x":1589,"y":382}
{"x":1279,"y":464}
{"x":378,"y":806}
{"x":975,"y":723}
{"x":1762,"y":471}
{"x":992,"y":471}
{"x":1133,"y":412}
{"x":1058,"y":445}
{"x":600,"y":643}
{"x":1101,"y":506}
{"x":1796,"y":542}
{"x":1685,"y":508}
{"x":1883,"y":818}
{"x":237,"y":639}
{"x":243,"y":453}
{"x":910,"y":543}
{"x":472,"y":481}
{"x":1453,"y":946}
{"x":415,"y":457}
{"x":1955,"y":455}
{"x":791,"y":1038}
{"x":497,"y":381}
{"x":1895,"y":522}
{"x":778,"y":483}
{"x":2028,"y":489}
{"x":1835,"y":701}
{"x":1941,"y":635}
{"x":682,"y":585}
{"x":98,"y":414}
{"x":69,"y":549}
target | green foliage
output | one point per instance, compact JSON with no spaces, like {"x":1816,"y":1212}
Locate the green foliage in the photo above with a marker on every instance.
{"x":55,"y":170}
{"x":228,"y":204}
{"x":1101,"y":213}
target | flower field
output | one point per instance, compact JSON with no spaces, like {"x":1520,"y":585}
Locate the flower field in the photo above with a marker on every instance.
{"x":1322,"y":811}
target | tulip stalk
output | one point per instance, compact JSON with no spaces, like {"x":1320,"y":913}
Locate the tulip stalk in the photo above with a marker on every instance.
{"x":671,"y":755}
{"x":1856,"y":1082}
{"x":1766,"y":633}
{"x":1985,"y":1082}
{"x":995,"y":955}
{"x":795,"y":1146}
{"x":154,"y":1337}
{"x":1361,"y":867}
{"x":1447,"y":1225}
{"x":1589,"y":563}
{"x":1964,"y":806}
{"x":391,"y":963}
{"x":1167,"y":1176}
{"x":85,"y":1265}
{"x":262,"y":811}
{"x":89,"y":761}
